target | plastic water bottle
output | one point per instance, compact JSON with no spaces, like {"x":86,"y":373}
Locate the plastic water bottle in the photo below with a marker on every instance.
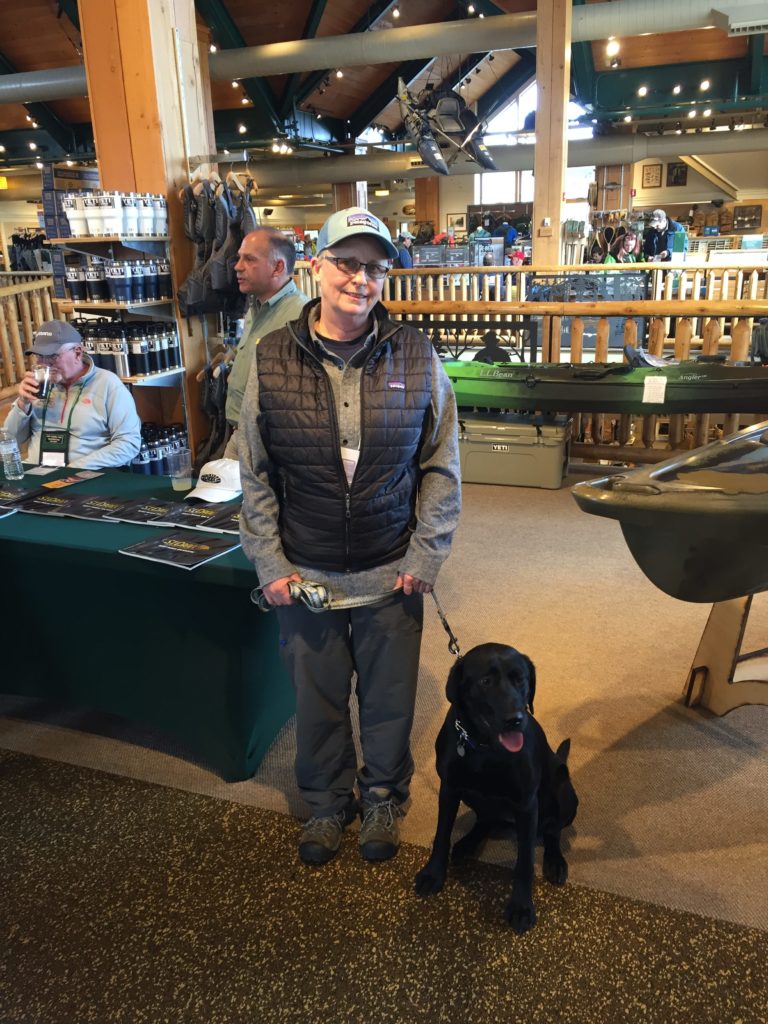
{"x":9,"y":450}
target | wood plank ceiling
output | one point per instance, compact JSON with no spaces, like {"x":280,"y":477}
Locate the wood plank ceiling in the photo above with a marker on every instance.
{"x":317,"y":108}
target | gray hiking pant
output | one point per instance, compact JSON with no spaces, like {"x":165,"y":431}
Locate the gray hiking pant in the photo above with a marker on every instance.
{"x":322,"y":651}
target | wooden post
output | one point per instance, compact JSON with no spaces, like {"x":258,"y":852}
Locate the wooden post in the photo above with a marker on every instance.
{"x":553,"y":77}
{"x":710,"y":337}
{"x":149,"y":95}
{"x":657,"y":335}
{"x":683,"y":332}
{"x":427,"y":201}
{"x":740,"y":336}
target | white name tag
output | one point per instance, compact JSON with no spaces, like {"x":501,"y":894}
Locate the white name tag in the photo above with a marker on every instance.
{"x":350,"y":458}
{"x":53,"y":459}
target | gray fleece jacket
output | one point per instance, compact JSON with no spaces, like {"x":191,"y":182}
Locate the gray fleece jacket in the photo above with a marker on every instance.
{"x":106,"y":429}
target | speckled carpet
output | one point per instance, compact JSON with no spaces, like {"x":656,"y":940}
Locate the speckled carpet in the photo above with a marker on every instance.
{"x":130,"y":902}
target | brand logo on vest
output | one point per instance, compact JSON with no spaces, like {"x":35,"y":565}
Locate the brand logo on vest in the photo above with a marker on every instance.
{"x":210,"y":478}
{"x":396,"y":385}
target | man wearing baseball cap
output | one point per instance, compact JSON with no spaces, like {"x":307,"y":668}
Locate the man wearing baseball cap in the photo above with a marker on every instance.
{"x":658,"y":238}
{"x":350,"y":472}
{"x":404,"y":254}
{"x":87,"y":419}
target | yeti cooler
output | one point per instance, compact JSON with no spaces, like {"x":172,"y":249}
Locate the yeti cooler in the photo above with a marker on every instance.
{"x":522,"y":451}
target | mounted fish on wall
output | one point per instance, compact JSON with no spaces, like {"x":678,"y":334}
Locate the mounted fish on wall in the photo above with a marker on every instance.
{"x":442,"y":118}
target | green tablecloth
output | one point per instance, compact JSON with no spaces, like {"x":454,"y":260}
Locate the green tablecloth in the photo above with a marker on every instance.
{"x":184,"y":652}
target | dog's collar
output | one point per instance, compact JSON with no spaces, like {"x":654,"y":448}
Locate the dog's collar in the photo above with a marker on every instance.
{"x":464,"y":740}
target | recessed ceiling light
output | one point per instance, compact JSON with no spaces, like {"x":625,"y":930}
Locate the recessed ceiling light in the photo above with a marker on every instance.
{"x":245,"y":100}
{"x":339,"y":73}
{"x":612,"y":47}
{"x":242,"y":129}
{"x":627,"y":118}
{"x":704,"y":84}
{"x":2,"y":149}
{"x":677,"y":90}
{"x":396,"y":12}
{"x":470,"y":8}
{"x":643,"y":90}
{"x":212,"y":48}
{"x":33,"y":146}
{"x":691,"y":113}
{"x":235,"y":85}
{"x":707,"y":112}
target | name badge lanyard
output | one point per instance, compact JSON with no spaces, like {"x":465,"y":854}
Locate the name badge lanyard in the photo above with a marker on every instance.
{"x":54,"y":444}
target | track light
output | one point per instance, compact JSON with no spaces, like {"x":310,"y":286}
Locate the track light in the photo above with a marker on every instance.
{"x":33,"y":146}
{"x":212,"y":48}
{"x":643,"y":90}
{"x":615,"y":63}
{"x":691,"y":113}
{"x":677,"y":90}
{"x":704,"y":84}
{"x":396,"y":12}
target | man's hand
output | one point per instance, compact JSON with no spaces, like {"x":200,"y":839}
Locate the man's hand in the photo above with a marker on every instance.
{"x":27,"y":390}
{"x":412,"y":584}
{"x":277,"y":592}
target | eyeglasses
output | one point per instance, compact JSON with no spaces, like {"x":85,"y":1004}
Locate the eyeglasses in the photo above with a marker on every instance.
{"x":349,"y":265}
{"x":50,"y":360}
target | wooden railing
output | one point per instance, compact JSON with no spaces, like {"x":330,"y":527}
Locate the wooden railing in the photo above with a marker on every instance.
{"x":25,"y":303}
{"x":710,"y":310}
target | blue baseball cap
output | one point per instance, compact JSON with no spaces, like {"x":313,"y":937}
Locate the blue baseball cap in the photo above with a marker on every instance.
{"x":52,"y":336}
{"x":352,"y":223}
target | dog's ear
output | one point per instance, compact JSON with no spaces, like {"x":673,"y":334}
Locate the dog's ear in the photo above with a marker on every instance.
{"x":531,"y":680}
{"x":454,"y":681}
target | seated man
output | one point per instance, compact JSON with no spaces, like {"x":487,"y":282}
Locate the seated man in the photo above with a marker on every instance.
{"x":87,"y":421}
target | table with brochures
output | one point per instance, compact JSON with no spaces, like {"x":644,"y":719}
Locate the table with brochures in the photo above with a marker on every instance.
{"x":186,"y":653}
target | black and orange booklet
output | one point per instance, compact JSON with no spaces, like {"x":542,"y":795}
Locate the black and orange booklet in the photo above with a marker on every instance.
{"x":185,"y":549}
{"x":149,"y":511}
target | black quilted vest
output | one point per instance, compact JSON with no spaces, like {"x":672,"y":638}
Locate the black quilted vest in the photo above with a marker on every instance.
{"x":323,"y":522}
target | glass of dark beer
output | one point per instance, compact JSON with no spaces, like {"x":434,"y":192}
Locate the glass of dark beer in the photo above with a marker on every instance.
{"x":45,"y":377}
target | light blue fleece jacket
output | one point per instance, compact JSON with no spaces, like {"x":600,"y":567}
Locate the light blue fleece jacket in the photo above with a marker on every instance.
{"x":105,"y":428}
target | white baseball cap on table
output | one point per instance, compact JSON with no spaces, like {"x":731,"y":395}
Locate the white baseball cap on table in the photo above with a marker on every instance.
{"x":218,"y":481}
{"x":352,"y":223}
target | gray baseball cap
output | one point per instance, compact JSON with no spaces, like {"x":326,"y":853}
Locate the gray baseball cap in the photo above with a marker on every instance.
{"x":658,"y":217}
{"x":352,"y":223}
{"x":52,"y":336}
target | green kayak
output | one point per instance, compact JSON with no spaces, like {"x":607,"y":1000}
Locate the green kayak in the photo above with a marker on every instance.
{"x":610,"y":387}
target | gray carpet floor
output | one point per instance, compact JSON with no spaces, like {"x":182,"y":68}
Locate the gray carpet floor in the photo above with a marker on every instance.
{"x":674,"y":801}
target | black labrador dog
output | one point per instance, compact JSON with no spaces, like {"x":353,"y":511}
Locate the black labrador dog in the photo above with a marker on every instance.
{"x":494,"y":755}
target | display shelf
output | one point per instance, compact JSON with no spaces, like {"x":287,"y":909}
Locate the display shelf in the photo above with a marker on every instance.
{"x":165,"y":378}
{"x":152,"y":245}
{"x":69,"y":306}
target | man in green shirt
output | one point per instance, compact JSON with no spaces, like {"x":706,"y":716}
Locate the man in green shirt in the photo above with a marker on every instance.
{"x":265,"y":274}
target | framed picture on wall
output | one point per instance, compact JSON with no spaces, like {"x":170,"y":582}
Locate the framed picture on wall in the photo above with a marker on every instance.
{"x":457,"y":221}
{"x":677,"y":174}
{"x":651,"y":176}
{"x":747,"y":218}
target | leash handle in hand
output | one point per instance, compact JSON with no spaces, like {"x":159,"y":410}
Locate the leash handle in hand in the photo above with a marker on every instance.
{"x":317,"y":598}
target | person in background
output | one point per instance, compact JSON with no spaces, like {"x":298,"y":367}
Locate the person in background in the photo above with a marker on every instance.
{"x":265,"y":274}
{"x":491,"y":352}
{"x":87,"y":421}
{"x":625,"y":250}
{"x":657,"y":240}
{"x":404,"y":258}
{"x":350,"y":471}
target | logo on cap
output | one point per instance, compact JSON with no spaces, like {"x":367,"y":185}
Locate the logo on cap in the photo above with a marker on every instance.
{"x":211,"y":478}
{"x":363,"y":220}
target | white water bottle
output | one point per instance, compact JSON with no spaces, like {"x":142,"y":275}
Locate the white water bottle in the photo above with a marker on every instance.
{"x":9,"y":449}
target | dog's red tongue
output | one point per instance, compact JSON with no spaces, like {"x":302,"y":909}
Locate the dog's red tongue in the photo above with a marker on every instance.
{"x":511,"y":741}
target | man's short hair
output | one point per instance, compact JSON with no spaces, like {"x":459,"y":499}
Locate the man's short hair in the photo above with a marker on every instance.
{"x":282,"y":247}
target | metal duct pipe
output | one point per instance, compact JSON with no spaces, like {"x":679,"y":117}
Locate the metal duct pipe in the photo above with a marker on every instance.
{"x":614,"y":150}
{"x":41,"y":86}
{"x":502,"y":32}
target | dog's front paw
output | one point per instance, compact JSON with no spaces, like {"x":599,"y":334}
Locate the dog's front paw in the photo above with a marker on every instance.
{"x":520,"y":917}
{"x":555,"y":868}
{"x":430,"y":880}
